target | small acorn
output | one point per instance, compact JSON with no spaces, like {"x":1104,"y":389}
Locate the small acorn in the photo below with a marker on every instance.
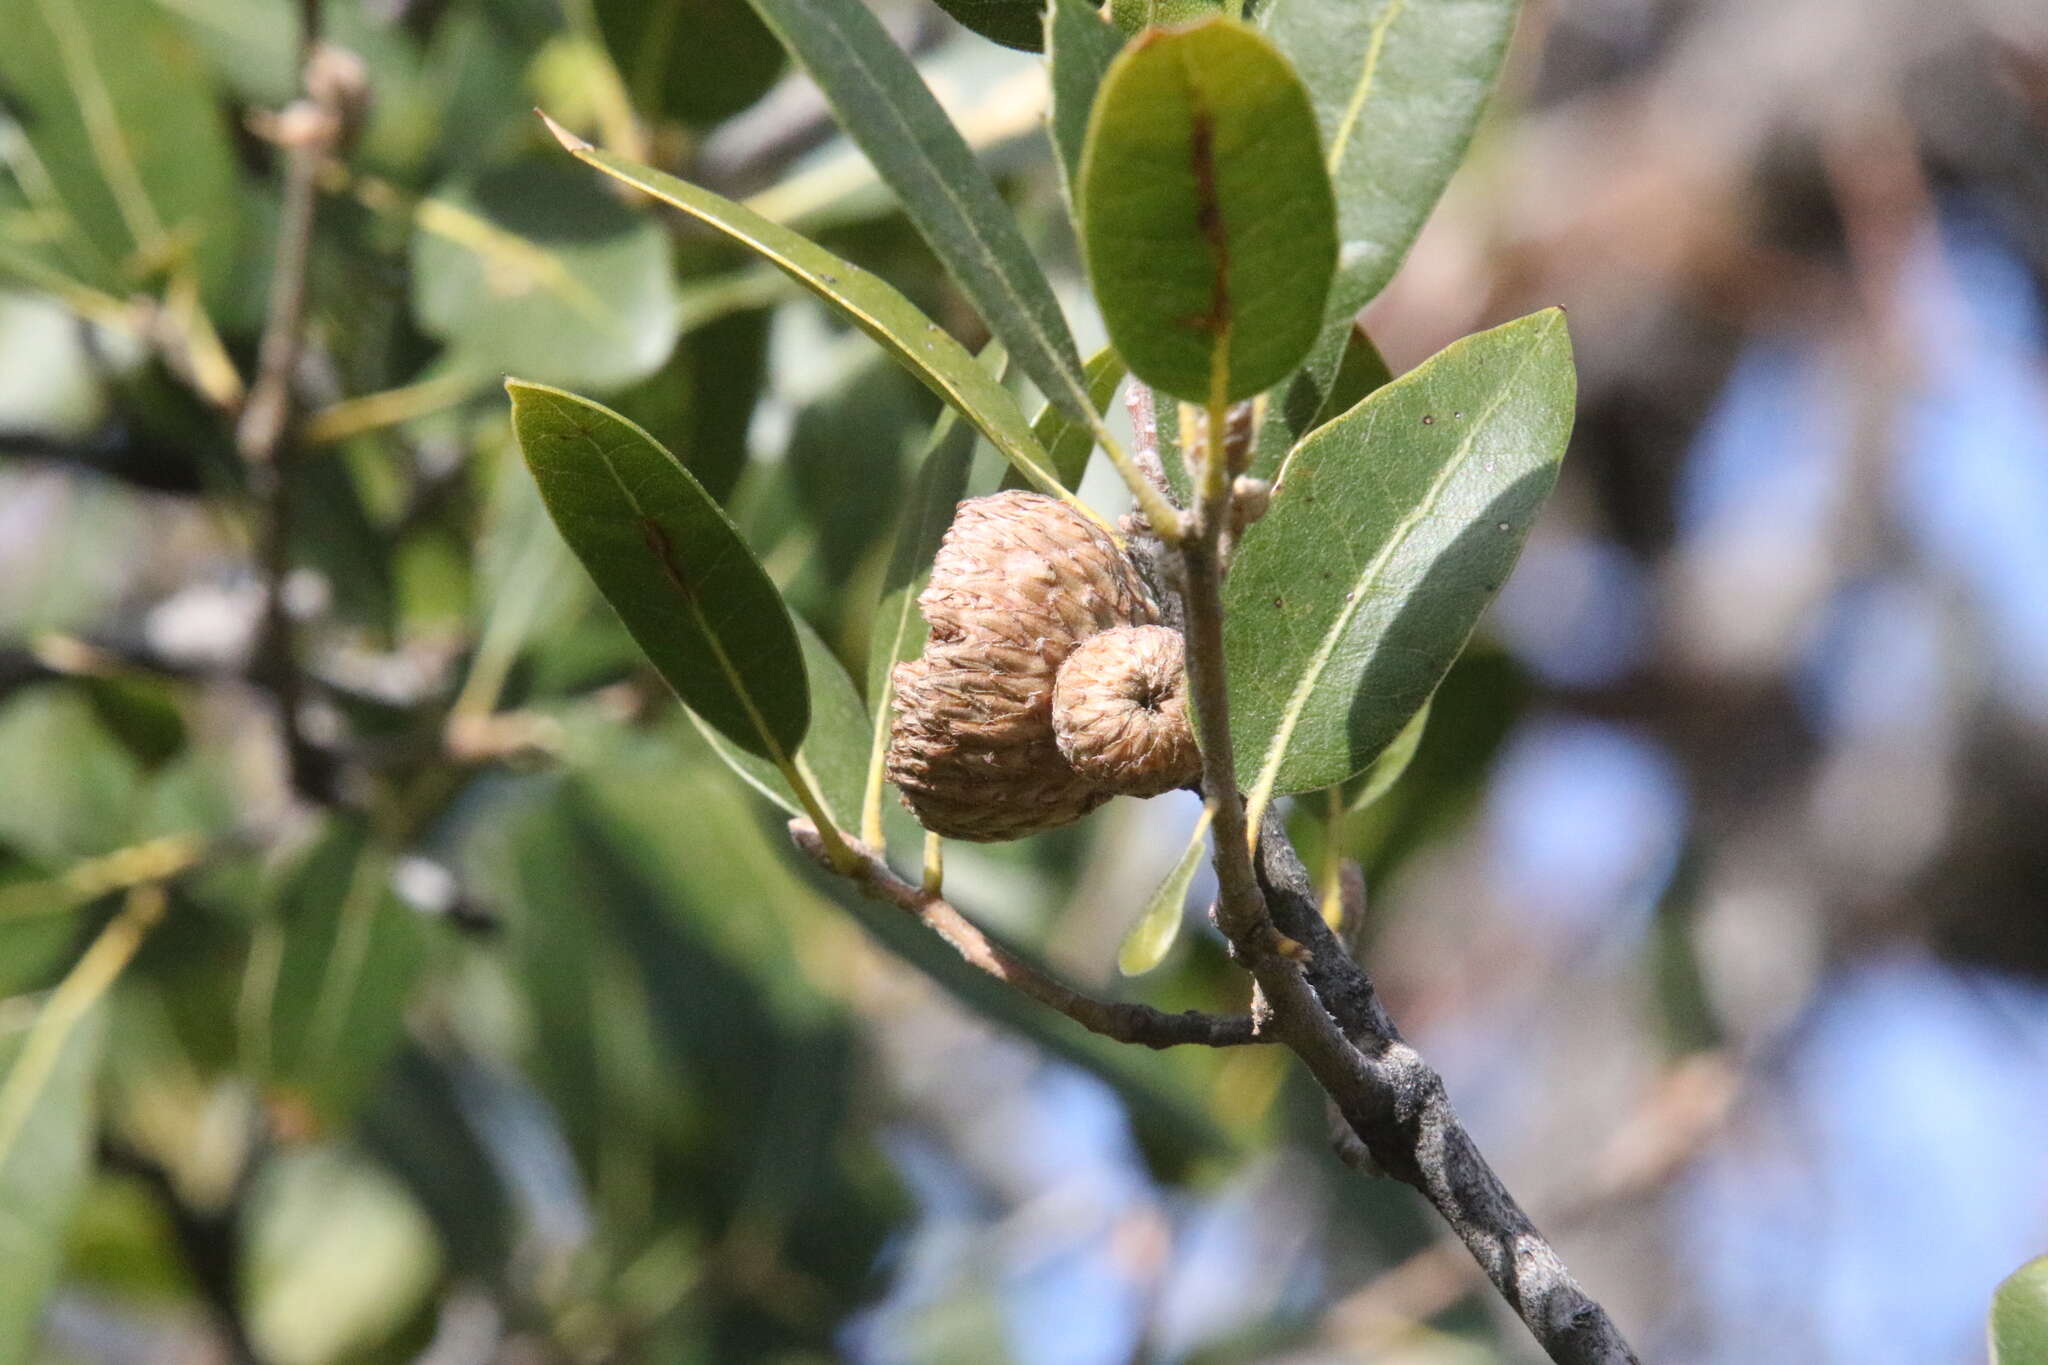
{"x":1047,"y":685}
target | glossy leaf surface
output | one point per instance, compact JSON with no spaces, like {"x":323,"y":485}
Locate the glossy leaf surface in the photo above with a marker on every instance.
{"x":1206,"y":215}
{"x":1390,"y":531}
{"x":670,"y":563}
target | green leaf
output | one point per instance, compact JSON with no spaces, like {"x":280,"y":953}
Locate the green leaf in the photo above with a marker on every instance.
{"x":1013,"y":23}
{"x":1361,"y":370}
{"x":1206,"y":216}
{"x":1390,"y":531}
{"x":696,"y":61}
{"x":835,"y":750}
{"x":136,"y":174}
{"x":46,"y":1128}
{"x":885,"y":107}
{"x":1380,"y":776}
{"x":1132,"y":15}
{"x":527,"y":859}
{"x":534,"y":270}
{"x":1152,"y":937}
{"x":84,"y":798}
{"x":141,"y":711}
{"x":664,"y":555}
{"x":939,"y":362}
{"x":1080,"y":46}
{"x":2019,"y":1316}
{"x":337,"y":961}
{"x":1068,"y":443}
{"x":416,"y":1128}
{"x":350,"y":1292}
{"x":1398,"y":87}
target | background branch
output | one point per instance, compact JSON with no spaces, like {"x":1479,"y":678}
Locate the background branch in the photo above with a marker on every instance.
{"x":1124,"y":1021}
{"x":309,"y":131}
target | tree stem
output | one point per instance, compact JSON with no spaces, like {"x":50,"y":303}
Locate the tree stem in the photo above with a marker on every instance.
{"x":1324,"y":1008}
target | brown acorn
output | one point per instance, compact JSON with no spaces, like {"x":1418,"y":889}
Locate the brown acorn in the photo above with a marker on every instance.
{"x":993,"y":739}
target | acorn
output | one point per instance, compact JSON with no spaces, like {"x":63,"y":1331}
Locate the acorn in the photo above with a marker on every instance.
{"x":1047,"y":685}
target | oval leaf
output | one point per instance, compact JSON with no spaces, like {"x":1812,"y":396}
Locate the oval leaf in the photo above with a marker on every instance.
{"x":663,"y":554}
{"x":1398,"y":86}
{"x":1206,"y":214}
{"x":1151,"y":938}
{"x":938,"y":361}
{"x":1390,"y":531}
{"x":2019,"y":1316}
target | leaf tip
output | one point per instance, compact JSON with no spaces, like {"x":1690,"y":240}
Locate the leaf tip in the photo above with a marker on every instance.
{"x":571,"y":143}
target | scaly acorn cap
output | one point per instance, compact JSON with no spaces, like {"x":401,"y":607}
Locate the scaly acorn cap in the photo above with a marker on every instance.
{"x":1021,"y":581}
{"x":1120,"y":711}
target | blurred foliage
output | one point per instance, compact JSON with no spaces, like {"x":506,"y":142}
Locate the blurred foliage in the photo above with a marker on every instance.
{"x":531,"y":1032}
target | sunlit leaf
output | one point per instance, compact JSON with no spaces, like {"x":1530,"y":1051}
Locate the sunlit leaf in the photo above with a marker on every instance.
{"x":2019,"y":1316}
{"x":873,"y":305}
{"x":1390,"y":531}
{"x":1152,"y":937}
{"x":886,"y":108}
{"x":1205,"y":212}
{"x":350,"y":1290}
{"x":670,"y":563}
{"x":135,"y":173}
{"x":1132,"y":15}
{"x":84,"y":797}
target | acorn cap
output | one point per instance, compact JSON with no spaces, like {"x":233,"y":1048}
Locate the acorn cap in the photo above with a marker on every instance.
{"x":1020,"y":581}
{"x":1120,"y":711}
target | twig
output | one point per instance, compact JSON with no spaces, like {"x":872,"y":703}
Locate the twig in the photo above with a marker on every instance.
{"x":1395,"y":1102}
{"x":1123,"y":1021}
{"x":309,"y":131}
{"x":1324,"y":1006}
{"x":1689,"y":1106}
{"x":1143,"y":407}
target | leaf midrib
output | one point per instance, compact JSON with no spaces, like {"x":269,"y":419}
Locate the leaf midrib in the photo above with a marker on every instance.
{"x":1297,"y":703}
{"x":776,"y":754}
{"x":1340,"y":139}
